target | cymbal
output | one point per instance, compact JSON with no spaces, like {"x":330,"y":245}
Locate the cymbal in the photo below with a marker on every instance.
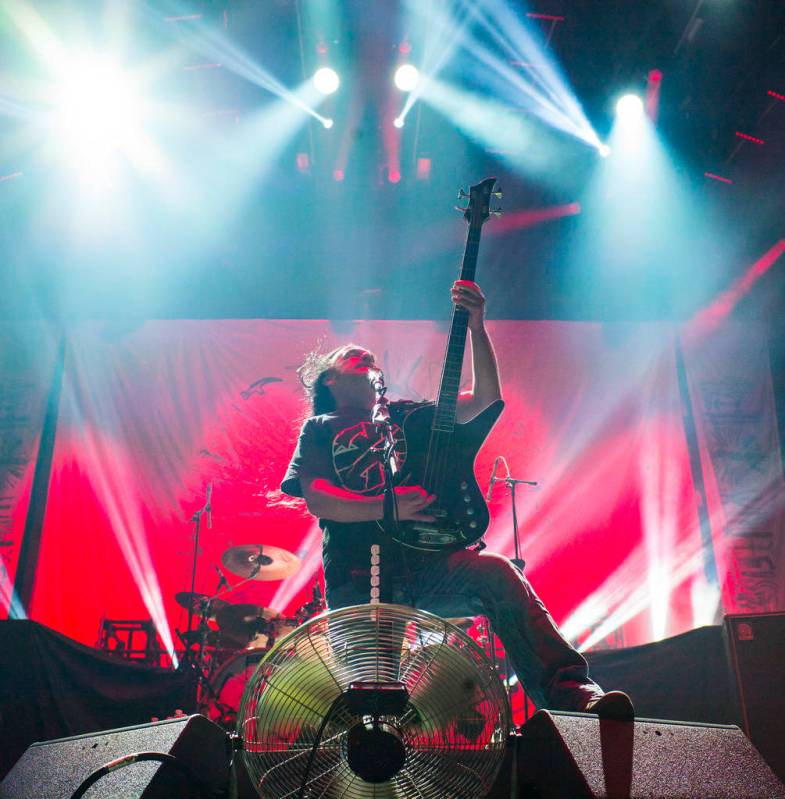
{"x":185,"y":599}
{"x":240,"y":623}
{"x":260,"y":562}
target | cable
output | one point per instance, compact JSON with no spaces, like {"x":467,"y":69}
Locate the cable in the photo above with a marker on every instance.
{"x":138,"y":757}
{"x":317,"y":741}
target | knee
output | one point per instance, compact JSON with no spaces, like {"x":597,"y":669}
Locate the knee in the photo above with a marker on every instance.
{"x":498,"y":568}
{"x":492,"y":568}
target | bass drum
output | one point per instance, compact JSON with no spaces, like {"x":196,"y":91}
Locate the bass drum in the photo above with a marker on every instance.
{"x":228,"y":682}
{"x":227,"y":685}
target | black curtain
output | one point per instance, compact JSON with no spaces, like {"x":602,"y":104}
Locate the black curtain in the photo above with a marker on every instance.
{"x":52,"y":687}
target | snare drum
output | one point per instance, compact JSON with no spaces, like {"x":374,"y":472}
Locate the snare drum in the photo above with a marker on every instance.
{"x":275,"y":630}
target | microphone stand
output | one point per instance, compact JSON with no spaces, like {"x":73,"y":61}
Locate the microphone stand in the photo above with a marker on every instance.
{"x":511,"y":483}
{"x":193,"y":688}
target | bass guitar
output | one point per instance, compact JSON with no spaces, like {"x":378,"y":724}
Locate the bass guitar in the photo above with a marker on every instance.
{"x":442,"y":451}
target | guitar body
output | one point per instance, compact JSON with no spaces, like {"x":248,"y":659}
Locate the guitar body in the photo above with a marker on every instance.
{"x":462,"y":515}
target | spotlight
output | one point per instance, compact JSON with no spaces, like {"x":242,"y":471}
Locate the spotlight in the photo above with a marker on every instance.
{"x":406,"y":77}
{"x":97,"y":106}
{"x":604,"y":150}
{"x":328,"y":123}
{"x":398,"y":122}
{"x":326,"y":80}
{"x":629,"y":108}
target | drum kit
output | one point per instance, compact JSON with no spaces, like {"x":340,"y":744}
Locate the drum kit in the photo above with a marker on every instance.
{"x":231,"y":638}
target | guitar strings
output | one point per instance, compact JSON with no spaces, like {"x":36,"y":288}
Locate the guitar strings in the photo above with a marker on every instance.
{"x":436,"y":468}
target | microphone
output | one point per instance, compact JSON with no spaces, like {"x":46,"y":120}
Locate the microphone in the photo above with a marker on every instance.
{"x":209,"y":506}
{"x":222,"y":583}
{"x":493,"y":478}
{"x":376,"y":376}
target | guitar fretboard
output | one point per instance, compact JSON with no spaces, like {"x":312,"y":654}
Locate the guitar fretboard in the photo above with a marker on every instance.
{"x":446,"y":405}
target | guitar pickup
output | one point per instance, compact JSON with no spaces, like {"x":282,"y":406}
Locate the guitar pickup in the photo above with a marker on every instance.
{"x":433,"y":537}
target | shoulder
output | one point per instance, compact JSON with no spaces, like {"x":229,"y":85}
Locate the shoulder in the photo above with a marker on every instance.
{"x":314,"y":429}
{"x":313,"y":423}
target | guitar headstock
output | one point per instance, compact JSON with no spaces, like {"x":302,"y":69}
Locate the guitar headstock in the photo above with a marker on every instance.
{"x":479,"y":208}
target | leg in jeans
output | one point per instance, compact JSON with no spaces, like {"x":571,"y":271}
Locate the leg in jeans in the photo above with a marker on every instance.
{"x":552,"y":672}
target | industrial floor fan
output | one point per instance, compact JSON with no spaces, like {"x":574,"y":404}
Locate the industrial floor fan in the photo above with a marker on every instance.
{"x":374,"y":701}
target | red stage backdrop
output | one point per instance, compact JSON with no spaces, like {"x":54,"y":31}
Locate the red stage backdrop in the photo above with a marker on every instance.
{"x":150,"y":414}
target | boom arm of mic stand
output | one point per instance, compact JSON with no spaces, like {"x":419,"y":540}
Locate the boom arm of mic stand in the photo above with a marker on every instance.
{"x":511,"y":482}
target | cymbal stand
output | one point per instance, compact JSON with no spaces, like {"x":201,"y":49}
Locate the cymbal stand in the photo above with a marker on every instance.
{"x":258,"y":563}
{"x":202,"y":674}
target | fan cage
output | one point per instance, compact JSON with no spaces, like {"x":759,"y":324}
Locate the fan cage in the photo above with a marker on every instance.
{"x":294,"y":719}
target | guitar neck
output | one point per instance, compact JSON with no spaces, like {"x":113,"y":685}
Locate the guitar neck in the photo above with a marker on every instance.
{"x":447,"y":402}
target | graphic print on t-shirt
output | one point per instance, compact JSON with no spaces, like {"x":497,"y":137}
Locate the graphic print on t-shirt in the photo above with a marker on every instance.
{"x":357,"y":456}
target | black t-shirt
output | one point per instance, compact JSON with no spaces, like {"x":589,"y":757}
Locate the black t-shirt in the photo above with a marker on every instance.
{"x":346,"y":449}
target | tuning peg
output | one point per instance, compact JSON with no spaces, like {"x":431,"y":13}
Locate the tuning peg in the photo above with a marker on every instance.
{"x":497,"y":194}
{"x":496,"y":212}
{"x":459,"y":209}
{"x":462,"y":195}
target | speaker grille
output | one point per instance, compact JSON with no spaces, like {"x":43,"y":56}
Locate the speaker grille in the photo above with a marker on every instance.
{"x":55,"y":769}
{"x":576,"y":755}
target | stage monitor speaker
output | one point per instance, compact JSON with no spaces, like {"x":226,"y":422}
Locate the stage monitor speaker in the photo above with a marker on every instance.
{"x":56,"y":769}
{"x":579,"y":756}
{"x":756,"y":651}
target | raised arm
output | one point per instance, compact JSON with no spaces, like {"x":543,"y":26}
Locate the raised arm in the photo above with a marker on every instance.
{"x":486,"y":386}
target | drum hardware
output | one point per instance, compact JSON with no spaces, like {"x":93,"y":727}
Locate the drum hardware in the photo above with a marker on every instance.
{"x":316,"y":605}
{"x":240,"y":624}
{"x":222,"y":701}
{"x":189,"y":638}
{"x":199,"y":603}
{"x":241,"y":628}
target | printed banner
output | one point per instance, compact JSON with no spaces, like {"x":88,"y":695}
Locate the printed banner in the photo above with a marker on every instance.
{"x":736,"y":423}
{"x":154,"y":413}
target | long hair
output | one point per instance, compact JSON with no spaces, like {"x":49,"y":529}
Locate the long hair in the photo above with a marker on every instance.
{"x":315,"y":369}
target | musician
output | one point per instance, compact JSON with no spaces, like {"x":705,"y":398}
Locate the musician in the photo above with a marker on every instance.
{"x":337,"y":469}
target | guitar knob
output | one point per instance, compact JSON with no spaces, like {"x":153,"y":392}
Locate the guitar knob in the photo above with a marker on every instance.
{"x":467,"y":498}
{"x":470,"y":511}
{"x":464,"y":485}
{"x":472,"y":524}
